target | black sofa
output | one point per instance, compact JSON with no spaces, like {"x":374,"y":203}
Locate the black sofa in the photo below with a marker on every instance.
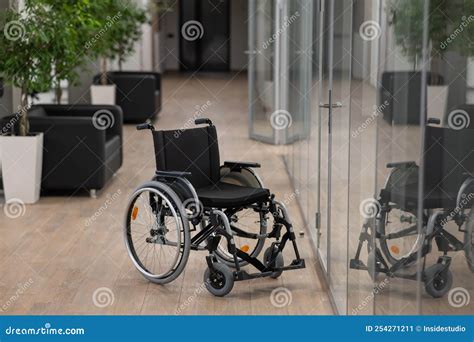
{"x":138,"y":94}
{"x":79,"y":153}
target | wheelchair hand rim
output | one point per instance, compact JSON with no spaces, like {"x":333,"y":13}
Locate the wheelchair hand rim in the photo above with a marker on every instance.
{"x":128,"y":239}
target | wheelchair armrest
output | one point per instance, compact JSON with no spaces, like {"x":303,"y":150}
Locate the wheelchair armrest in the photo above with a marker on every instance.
{"x":237,"y":166}
{"x":172,"y":174}
{"x":398,"y":164}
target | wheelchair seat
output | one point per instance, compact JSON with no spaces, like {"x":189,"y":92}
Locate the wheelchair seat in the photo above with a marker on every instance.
{"x":196,"y":151}
{"x":225,"y":195}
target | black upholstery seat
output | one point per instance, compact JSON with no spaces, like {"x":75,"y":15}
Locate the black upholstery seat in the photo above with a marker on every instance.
{"x":196,"y":151}
{"x":225,"y":195}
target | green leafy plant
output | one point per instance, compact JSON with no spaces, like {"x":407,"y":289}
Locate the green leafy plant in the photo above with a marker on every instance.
{"x":120,"y":30}
{"x":74,"y":21}
{"x":25,"y":38}
{"x":129,"y":31}
{"x":407,"y":19}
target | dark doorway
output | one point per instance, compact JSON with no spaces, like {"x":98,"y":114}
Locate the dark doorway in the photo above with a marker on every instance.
{"x":204,"y":35}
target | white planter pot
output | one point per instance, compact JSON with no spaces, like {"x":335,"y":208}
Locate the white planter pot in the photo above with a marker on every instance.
{"x":437,"y":99}
{"x":103,"y":94}
{"x":22,"y":161}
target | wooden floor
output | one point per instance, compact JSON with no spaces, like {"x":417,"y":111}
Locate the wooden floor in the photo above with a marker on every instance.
{"x":66,"y":255}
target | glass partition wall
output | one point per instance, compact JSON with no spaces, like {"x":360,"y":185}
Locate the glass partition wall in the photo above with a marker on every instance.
{"x":279,"y":52}
{"x":384,"y":171}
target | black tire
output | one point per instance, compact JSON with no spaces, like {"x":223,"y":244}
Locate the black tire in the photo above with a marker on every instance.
{"x":469,"y":240}
{"x":134,"y":243}
{"x":438,"y":280}
{"x":245,"y":178}
{"x":279,"y":261}
{"x":220,"y":281}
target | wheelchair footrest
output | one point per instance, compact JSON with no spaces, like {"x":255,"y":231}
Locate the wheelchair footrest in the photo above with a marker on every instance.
{"x":244,"y":275}
{"x":357,"y":264}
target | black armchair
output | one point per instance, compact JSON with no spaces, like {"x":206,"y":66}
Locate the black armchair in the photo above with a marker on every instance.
{"x":138,"y":94}
{"x":80,"y":151}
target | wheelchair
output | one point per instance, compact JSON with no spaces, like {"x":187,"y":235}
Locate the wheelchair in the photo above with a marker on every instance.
{"x":394,"y":242}
{"x":194,"y":203}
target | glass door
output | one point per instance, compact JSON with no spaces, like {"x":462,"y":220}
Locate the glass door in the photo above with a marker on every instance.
{"x":299,"y":19}
{"x":261,"y":54}
{"x":325,"y":42}
{"x":279,"y":69}
{"x":335,"y":139}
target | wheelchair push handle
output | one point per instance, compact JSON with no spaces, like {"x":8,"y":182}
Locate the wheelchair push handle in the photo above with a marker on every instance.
{"x":145,"y":125}
{"x":201,"y":121}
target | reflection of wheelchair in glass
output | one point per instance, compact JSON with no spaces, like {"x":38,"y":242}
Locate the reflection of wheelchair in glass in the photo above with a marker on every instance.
{"x":394,"y":241}
{"x":227,"y":207}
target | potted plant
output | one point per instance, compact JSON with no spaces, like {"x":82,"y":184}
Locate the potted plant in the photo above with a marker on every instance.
{"x":122,"y":29}
{"x":407,"y":22}
{"x":73,"y":23}
{"x":461,"y":33}
{"x":24,"y":64}
{"x":129,"y":32}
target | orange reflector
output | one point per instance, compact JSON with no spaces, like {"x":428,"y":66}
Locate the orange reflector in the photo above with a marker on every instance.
{"x":134,"y":213}
{"x":245,"y":248}
{"x":395,"y":249}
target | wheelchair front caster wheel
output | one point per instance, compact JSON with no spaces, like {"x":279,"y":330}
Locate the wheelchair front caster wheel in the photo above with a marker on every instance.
{"x":220,"y":280}
{"x":438,"y":280}
{"x":279,"y":262}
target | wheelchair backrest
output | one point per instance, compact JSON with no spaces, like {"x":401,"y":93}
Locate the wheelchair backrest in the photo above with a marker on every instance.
{"x":193,"y":150}
{"x":449,"y":154}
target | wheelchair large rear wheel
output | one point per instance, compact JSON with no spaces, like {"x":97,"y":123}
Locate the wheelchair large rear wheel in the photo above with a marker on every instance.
{"x":469,"y":240}
{"x":157,"y":232}
{"x":247,"y":220}
{"x":397,"y":221}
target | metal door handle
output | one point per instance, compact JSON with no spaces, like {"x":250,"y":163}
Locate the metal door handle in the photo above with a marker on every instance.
{"x":334,"y":105}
